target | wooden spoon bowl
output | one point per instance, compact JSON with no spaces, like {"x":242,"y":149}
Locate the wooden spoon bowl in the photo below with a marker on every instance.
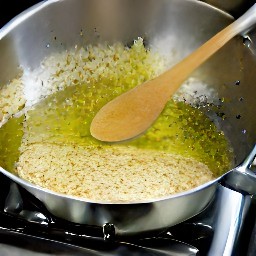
{"x":133,"y":112}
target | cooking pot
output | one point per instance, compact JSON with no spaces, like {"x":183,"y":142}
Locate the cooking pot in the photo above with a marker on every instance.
{"x":176,"y":26}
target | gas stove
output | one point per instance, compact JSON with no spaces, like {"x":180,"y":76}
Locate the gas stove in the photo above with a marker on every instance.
{"x":225,"y":227}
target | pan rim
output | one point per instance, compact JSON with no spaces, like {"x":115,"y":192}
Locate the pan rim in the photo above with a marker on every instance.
{"x":16,"y":21}
{"x":25,"y":184}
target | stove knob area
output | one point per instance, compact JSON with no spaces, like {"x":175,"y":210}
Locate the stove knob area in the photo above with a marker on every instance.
{"x":109,"y":232}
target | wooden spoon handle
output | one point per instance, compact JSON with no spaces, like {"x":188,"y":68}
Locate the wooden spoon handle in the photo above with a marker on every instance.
{"x":133,"y":112}
{"x":179,"y":73}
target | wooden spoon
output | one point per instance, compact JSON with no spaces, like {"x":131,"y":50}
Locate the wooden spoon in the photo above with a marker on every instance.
{"x":133,"y":112}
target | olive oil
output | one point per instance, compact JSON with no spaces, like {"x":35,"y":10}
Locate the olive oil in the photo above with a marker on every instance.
{"x":10,"y":141}
{"x":64,"y":117}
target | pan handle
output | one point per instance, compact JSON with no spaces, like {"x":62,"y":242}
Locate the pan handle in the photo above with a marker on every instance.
{"x":249,"y":161}
{"x":242,"y":178}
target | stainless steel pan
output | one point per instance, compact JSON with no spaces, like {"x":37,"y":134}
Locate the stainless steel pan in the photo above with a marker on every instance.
{"x":179,"y":26}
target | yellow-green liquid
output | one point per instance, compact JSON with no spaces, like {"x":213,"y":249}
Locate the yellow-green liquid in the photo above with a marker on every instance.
{"x":10,"y":140}
{"x":65,"y":118}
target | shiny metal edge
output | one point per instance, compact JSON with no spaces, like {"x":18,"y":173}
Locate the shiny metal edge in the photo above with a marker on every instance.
{"x":9,"y":26}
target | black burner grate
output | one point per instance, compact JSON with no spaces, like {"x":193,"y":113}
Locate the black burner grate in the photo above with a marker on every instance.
{"x":25,"y":224}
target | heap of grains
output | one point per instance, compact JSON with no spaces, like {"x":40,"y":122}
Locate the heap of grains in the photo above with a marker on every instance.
{"x":12,"y":99}
{"x":110,"y":174}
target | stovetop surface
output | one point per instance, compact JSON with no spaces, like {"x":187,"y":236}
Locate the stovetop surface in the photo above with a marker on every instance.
{"x":225,"y":227}
{"x":27,"y":226}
